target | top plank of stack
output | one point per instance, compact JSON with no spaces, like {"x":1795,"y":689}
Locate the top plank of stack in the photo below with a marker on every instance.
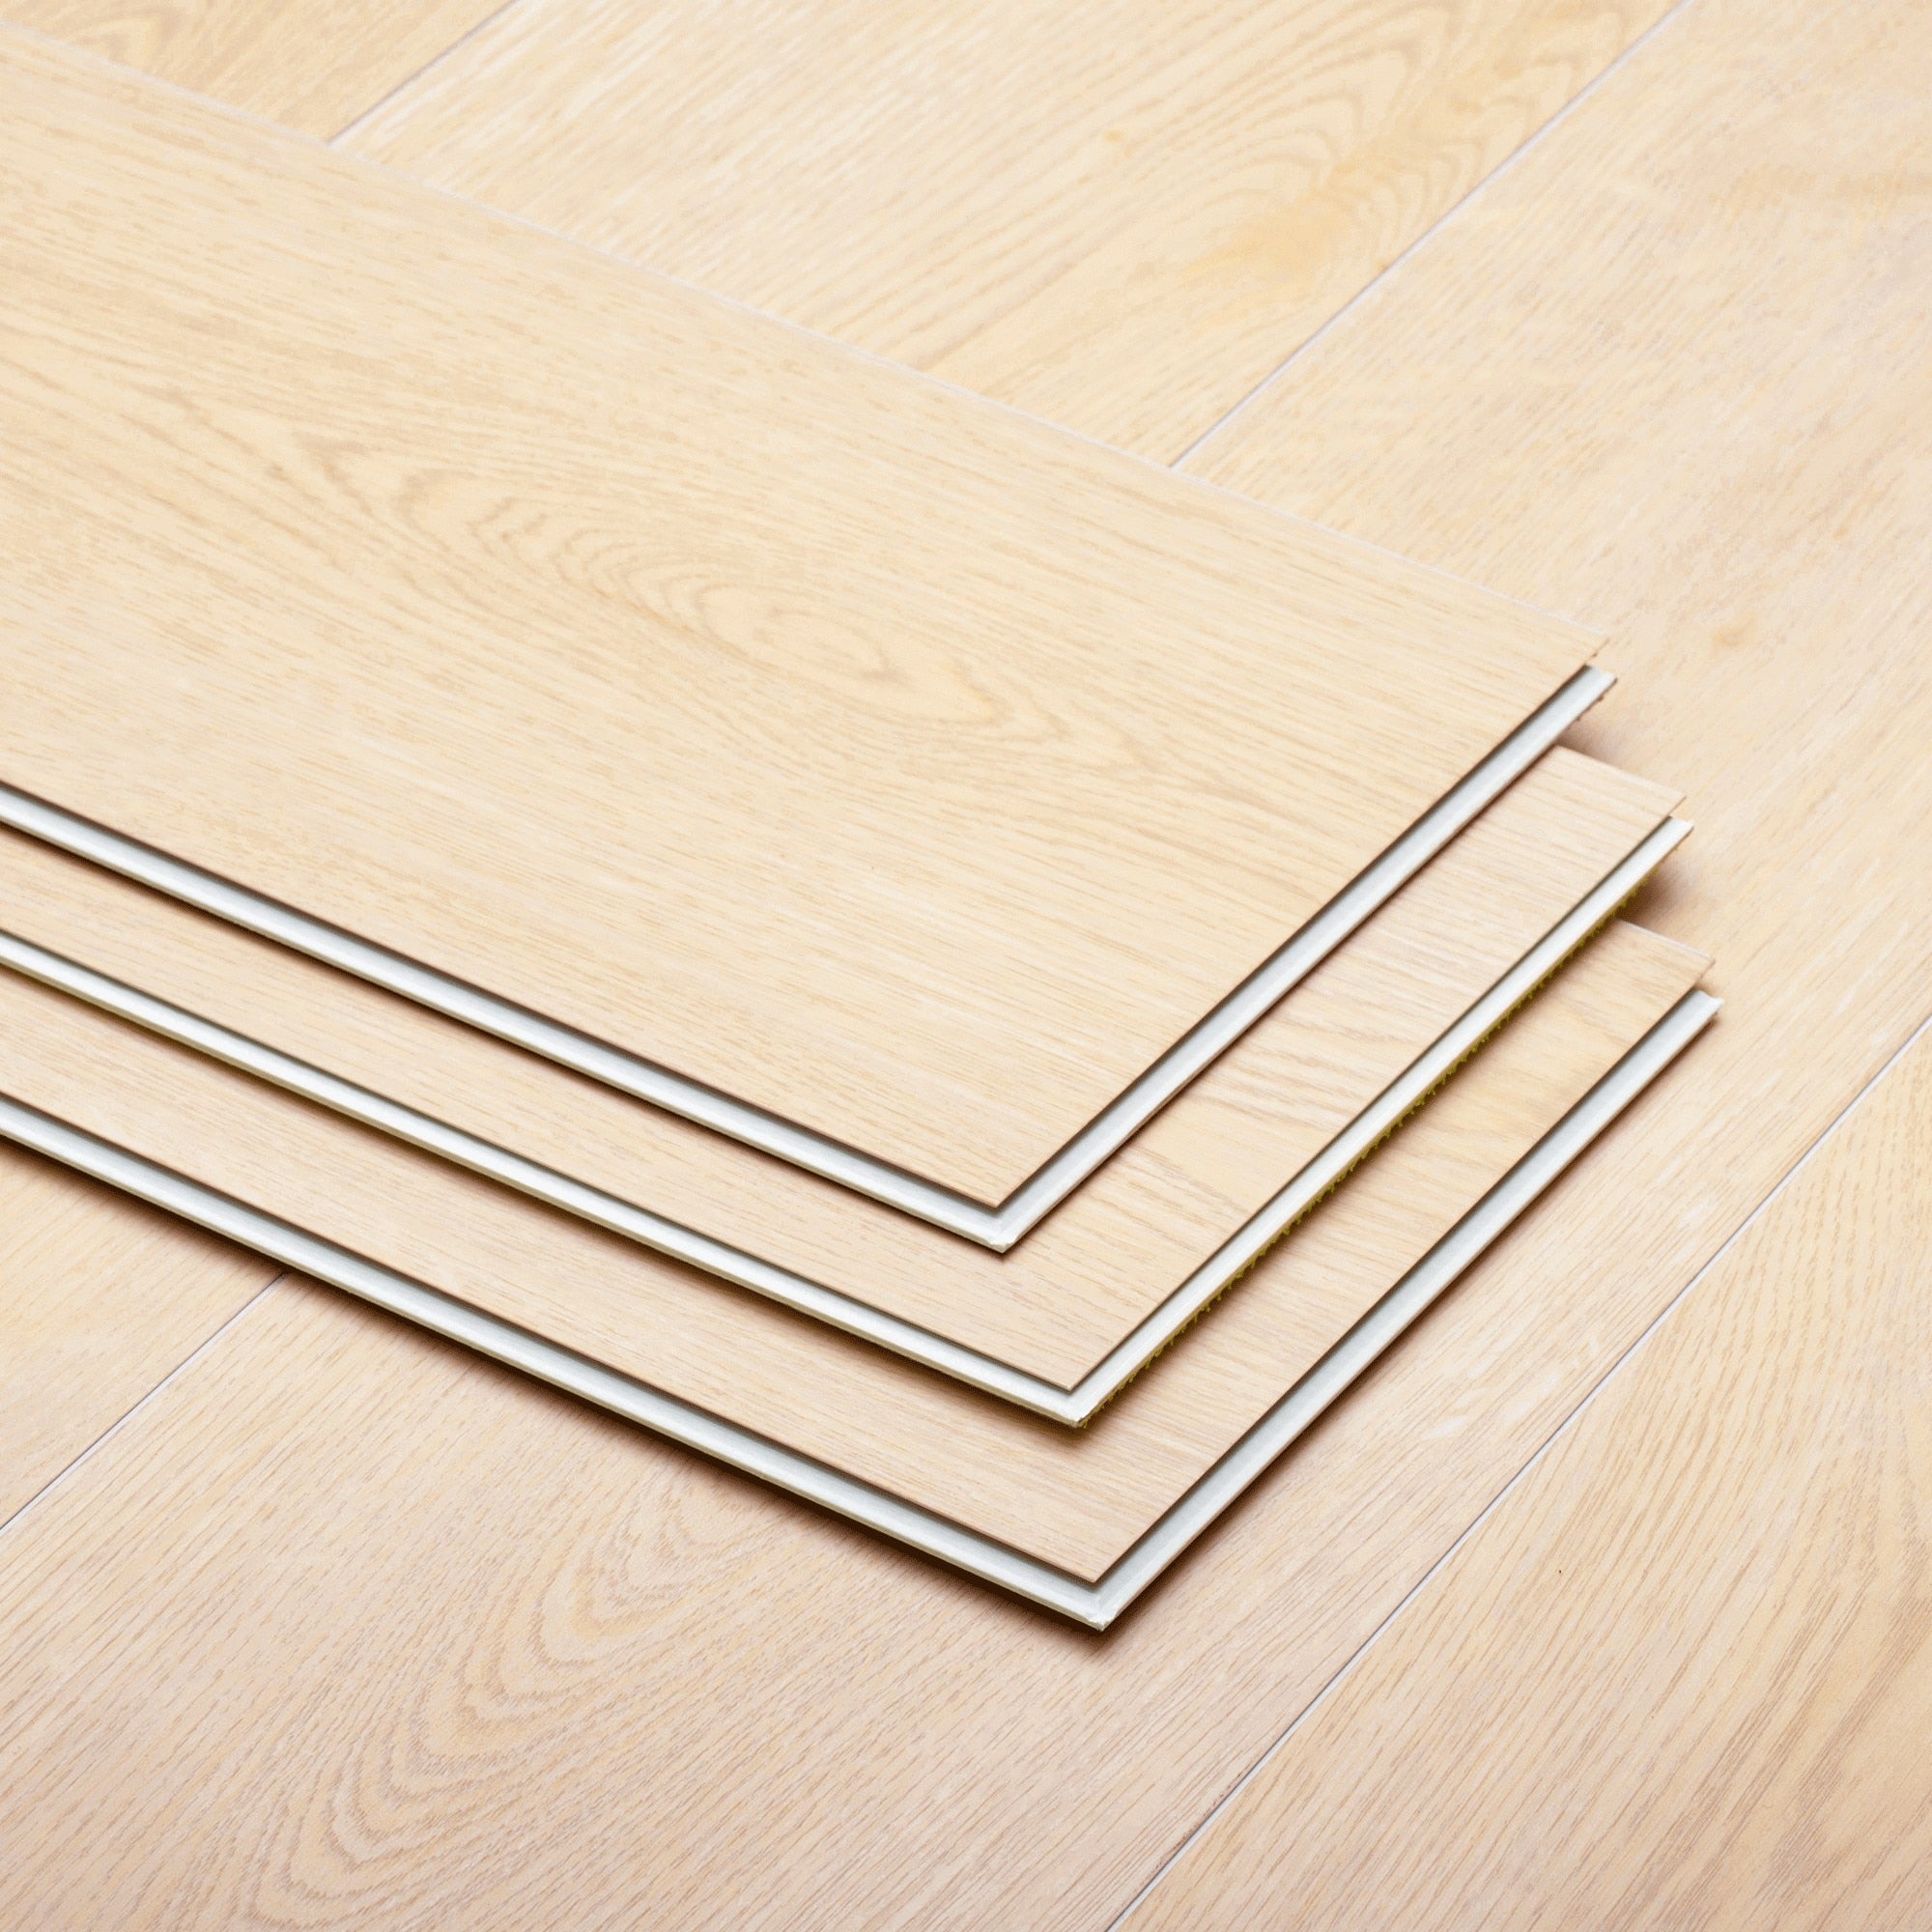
{"x":909,"y":771}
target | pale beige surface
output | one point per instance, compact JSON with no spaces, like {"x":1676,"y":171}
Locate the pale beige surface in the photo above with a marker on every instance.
{"x":1118,"y":214}
{"x":435,"y":1591}
{"x":1038,"y":1780}
{"x":316,"y":64}
{"x":415,"y":568}
{"x":100,"y":1298}
{"x":1678,"y":352}
{"x":1683,"y":1676}
{"x":1102,"y":1260}
{"x":1076,"y":1500}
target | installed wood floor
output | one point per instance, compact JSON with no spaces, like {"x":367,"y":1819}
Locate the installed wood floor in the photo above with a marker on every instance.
{"x":1682,"y":1674}
{"x":1666,"y":371}
{"x":317,"y":65}
{"x":100,"y":1298}
{"x":1120,"y":215}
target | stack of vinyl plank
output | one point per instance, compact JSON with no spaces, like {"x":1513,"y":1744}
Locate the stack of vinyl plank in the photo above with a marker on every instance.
{"x":814,"y":910}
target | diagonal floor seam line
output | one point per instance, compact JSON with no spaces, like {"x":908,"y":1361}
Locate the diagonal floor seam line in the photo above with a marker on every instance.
{"x":529,"y":224}
{"x":410,"y":79}
{"x":128,"y":1415}
{"x":1347,"y":1669}
{"x":1396,"y":261}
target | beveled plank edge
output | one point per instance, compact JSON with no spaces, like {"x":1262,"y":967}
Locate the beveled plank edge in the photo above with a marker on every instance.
{"x":1414,"y":1085}
{"x":1095,"y":1604}
{"x":1070,"y":1406}
{"x":993,"y":1228}
{"x":1265,"y":988}
{"x":1403,"y":1304}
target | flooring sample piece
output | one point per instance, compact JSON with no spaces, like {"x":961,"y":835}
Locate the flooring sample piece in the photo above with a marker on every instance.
{"x":343,"y":1546}
{"x":314,"y":65}
{"x":1044,"y":774}
{"x":1120,"y":215}
{"x":435,"y":1241}
{"x":1683,"y":1675}
{"x":1033,"y":1781}
{"x":1061,"y":1323}
{"x":100,"y":1298}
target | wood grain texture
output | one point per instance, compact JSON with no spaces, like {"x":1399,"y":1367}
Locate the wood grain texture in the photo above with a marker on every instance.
{"x":1076,"y":1500}
{"x":1120,"y":215}
{"x":100,"y":1299}
{"x":418,"y":570}
{"x":313,"y":65}
{"x":1679,"y":353}
{"x":1683,"y":1676}
{"x":1037,"y":1779}
{"x":1104,"y":1259}
{"x":389,"y":1592}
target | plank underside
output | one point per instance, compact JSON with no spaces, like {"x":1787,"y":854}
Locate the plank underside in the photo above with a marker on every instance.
{"x":1075,"y":1499}
{"x":414,"y":569}
{"x":1104,"y":1259}
{"x":1716,"y":1573}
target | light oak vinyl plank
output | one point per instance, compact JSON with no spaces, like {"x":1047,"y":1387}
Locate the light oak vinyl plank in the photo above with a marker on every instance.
{"x":100,"y":1298}
{"x":1075,"y":1500}
{"x":1096,"y":1604}
{"x":313,"y":65}
{"x":816,"y":735}
{"x":1119,"y":214}
{"x":1077,"y":1307}
{"x":349,"y":1595}
{"x":1032,"y":1781}
{"x":1683,"y":1674}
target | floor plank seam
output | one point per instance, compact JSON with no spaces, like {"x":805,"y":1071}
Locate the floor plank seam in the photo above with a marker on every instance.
{"x":435,"y":60}
{"x":1395,"y":262}
{"x":128,"y":1415}
{"x":1355,"y":1657}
